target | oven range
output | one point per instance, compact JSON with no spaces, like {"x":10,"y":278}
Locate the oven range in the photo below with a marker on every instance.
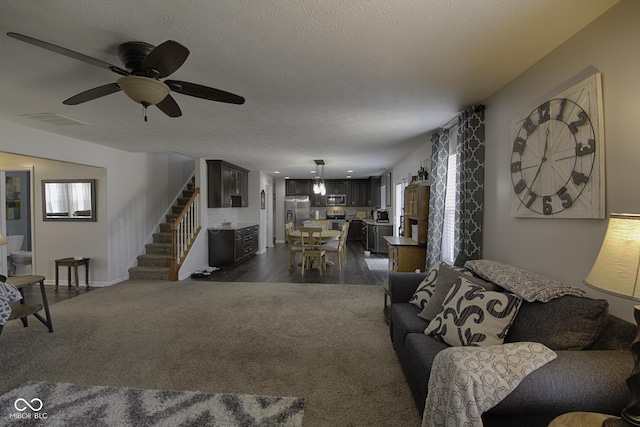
{"x":336,"y":219}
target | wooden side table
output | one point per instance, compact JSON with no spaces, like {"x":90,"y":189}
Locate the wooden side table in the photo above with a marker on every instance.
{"x":72,"y":262}
{"x":24,"y":309}
{"x":582,"y":419}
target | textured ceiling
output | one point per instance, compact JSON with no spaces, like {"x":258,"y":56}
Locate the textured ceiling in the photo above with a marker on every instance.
{"x":358,"y":83}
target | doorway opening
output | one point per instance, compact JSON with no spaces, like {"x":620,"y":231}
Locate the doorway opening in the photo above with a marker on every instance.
{"x":16,"y":192}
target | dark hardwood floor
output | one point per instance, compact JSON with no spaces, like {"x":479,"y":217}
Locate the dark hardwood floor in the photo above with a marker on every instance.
{"x":32,"y":293}
{"x":270,"y":266}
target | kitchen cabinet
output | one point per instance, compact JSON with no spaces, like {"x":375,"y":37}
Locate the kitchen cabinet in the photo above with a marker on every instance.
{"x":318,"y":200}
{"x":231,"y":245}
{"x":357,"y":192}
{"x":228,"y":185}
{"x":297,"y":187}
{"x":416,"y":212}
{"x":336,"y":186}
{"x":374,"y":192}
{"x":375,"y":236}
{"x":355,"y":230}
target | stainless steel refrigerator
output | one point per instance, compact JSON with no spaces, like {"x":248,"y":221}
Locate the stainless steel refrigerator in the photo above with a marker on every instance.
{"x":297,"y":209}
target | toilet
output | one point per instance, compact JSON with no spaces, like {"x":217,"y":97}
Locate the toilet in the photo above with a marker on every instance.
{"x":21,"y":260}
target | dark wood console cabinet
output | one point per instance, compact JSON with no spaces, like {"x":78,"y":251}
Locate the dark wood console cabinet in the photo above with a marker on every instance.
{"x":229,"y":246}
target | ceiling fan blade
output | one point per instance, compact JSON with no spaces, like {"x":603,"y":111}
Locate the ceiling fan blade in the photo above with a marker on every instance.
{"x":204,"y":92}
{"x":91,"y":94}
{"x":169,"y":106}
{"x":70,"y":53}
{"x":166,"y":58}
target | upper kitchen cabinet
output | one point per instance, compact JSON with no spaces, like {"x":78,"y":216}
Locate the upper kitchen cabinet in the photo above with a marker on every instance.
{"x":228,"y":185}
{"x":374,"y":189}
{"x":358,"y":192}
{"x":297,"y":187}
{"x":336,"y":186}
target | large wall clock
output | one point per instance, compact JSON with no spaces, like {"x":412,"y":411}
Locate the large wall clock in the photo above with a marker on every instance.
{"x":557,"y":156}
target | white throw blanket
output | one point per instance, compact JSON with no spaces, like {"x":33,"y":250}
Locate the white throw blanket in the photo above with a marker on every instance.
{"x":467,"y":381}
{"x":7,"y":293}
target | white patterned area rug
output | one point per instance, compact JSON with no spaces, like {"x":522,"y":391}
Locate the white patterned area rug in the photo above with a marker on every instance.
{"x":62,"y":404}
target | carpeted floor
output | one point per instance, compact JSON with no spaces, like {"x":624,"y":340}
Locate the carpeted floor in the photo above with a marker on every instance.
{"x":326,"y":343}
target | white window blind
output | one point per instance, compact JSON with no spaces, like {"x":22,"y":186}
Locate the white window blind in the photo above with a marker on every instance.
{"x":448,"y":231}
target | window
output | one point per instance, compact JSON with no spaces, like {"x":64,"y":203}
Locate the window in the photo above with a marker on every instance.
{"x":448,"y":230}
{"x":399,"y":207}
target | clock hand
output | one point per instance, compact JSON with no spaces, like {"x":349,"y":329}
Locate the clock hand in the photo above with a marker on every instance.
{"x":544,"y":158}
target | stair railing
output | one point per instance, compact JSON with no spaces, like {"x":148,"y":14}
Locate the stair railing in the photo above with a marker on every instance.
{"x":184,"y":231}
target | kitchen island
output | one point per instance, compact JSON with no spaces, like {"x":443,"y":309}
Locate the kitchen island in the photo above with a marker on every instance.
{"x":405,"y":254}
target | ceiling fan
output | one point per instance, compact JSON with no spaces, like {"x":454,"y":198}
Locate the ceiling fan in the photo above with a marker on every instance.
{"x":144,"y":66}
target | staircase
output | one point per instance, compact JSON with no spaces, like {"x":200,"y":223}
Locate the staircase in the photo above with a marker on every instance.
{"x":155,"y":264}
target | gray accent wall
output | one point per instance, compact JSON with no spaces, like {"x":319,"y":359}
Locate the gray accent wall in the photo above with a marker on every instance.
{"x":565,"y":249}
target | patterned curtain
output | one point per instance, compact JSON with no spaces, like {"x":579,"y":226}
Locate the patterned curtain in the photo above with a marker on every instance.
{"x":438,"y":190}
{"x":469,"y":188}
{"x":469,"y":184}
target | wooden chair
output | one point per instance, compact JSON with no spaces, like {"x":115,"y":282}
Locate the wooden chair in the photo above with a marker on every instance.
{"x":338,"y":247}
{"x":288,"y":228}
{"x":295,"y":245}
{"x":312,"y":251}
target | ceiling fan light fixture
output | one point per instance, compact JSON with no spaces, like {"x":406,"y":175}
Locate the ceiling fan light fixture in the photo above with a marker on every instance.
{"x":143,"y":90}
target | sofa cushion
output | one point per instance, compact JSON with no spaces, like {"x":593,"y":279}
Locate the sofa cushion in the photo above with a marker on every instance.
{"x":471,"y":315}
{"x":417,"y":357}
{"x":404,"y":320}
{"x":446,"y":276}
{"x":617,"y":334}
{"x":565,"y":323}
{"x":526,"y":284}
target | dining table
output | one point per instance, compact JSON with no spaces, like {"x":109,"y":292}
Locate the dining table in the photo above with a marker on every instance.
{"x":325,"y":236}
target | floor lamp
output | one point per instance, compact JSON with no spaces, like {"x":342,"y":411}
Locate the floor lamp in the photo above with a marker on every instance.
{"x":616,"y":270}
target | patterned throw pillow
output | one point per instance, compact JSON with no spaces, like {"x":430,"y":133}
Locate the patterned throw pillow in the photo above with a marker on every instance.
{"x":472,"y":315}
{"x":447,"y":276}
{"x":426,"y":288}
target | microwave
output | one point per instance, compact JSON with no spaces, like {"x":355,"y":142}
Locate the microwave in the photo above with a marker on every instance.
{"x":336,"y":199}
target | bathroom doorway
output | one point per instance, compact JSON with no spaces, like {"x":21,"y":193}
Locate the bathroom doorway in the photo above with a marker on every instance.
{"x":16,"y":193}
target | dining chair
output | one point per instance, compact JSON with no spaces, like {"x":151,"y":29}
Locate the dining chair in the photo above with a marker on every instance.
{"x":295,"y":245}
{"x":344,"y":236}
{"x":338,"y":247}
{"x":288,"y":228}
{"x":312,"y":250}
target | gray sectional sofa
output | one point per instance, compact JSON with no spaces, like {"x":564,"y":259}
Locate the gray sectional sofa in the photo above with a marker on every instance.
{"x":589,"y":373}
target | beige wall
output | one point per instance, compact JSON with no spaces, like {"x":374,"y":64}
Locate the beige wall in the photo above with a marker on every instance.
{"x":53,"y":240}
{"x":134,"y":193}
{"x":564,"y":248}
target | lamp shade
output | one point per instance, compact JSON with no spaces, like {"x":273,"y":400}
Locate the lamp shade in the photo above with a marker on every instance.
{"x":617,"y":266}
{"x":3,"y":241}
{"x":143,"y":90}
